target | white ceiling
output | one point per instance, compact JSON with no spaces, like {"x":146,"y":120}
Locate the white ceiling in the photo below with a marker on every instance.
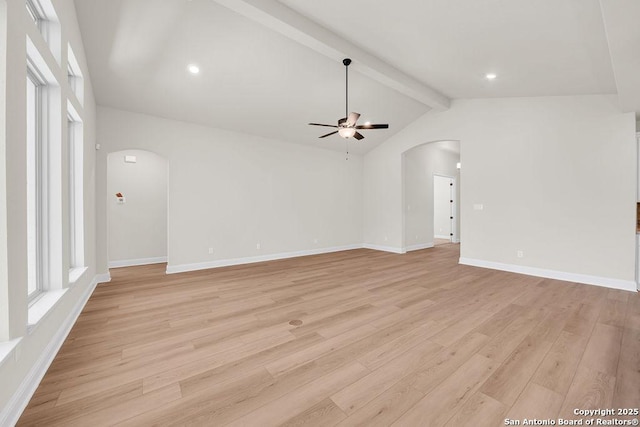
{"x":265,"y":77}
{"x":252,"y":79}
{"x":537,"y":48}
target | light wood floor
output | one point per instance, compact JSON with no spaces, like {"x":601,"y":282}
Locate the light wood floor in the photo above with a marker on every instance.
{"x":350,"y":338}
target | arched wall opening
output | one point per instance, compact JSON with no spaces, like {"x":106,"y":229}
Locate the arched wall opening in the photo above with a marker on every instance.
{"x":420,"y":165}
{"x":137,"y":208}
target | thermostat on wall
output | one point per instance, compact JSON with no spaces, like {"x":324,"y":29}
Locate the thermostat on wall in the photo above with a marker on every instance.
{"x":130,"y":159}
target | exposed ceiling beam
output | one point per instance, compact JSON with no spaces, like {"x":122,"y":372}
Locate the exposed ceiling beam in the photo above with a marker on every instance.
{"x":623,"y":35}
{"x":289,"y":23}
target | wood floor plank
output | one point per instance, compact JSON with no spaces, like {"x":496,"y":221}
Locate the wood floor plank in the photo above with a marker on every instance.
{"x":386,"y":408}
{"x":311,"y":353}
{"x":446,"y":362}
{"x":383,"y":354}
{"x":63,"y":413}
{"x":613,"y":312}
{"x":358,"y":337}
{"x":280,"y":410}
{"x":583,"y":319}
{"x":603,"y":336}
{"x":321,"y":414}
{"x":503,"y":343}
{"x":512,"y":376}
{"x":589,"y":390}
{"x":223,"y":402}
{"x":126,"y":408}
{"x":201,"y":382}
{"x":479,"y":410}
{"x":559,"y":366}
{"x":627,"y":391}
{"x":536,"y":402}
{"x":180,"y":372}
{"x":358,"y":394}
{"x":437,"y":407}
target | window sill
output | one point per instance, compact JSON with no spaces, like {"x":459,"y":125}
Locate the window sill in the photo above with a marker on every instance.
{"x":75,"y":274}
{"x":42,"y":306}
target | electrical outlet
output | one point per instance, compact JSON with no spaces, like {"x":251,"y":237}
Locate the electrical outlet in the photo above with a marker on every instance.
{"x":520,"y":254}
{"x":386,"y":238}
{"x":315,"y":241}
{"x":258,"y":246}
{"x":210,"y":251}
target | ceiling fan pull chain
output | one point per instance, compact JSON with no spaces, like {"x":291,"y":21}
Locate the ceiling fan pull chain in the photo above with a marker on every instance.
{"x":346,"y":146}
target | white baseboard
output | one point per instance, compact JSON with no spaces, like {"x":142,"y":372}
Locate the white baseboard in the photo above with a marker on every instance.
{"x":181,"y":268}
{"x":607,"y":282}
{"x":419,"y":246}
{"x":384,"y":248}
{"x":20,"y":399}
{"x":441,"y":236}
{"x":139,"y":261}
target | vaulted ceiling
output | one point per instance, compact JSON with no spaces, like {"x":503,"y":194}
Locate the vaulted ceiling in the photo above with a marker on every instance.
{"x":269,"y":67}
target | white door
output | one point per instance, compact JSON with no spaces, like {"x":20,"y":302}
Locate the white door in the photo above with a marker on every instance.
{"x":443,"y":207}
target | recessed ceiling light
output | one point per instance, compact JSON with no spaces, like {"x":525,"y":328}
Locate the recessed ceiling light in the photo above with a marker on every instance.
{"x":491,"y":76}
{"x":193,"y":69}
{"x":367,"y":123}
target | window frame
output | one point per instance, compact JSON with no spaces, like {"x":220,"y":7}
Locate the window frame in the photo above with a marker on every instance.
{"x":75,"y":185}
{"x":36,"y":12}
{"x":39,"y":190}
{"x":71,"y":158}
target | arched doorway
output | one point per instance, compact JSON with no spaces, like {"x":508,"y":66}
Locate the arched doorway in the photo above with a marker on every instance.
{"x":420,"y":165}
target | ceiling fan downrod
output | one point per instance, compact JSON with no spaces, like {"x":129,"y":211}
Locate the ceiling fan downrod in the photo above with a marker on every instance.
{"x":346,"y":62}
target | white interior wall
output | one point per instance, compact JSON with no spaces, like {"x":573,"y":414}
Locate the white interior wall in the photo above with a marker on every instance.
{"x":137,"y":227}
{"x":20,"y":369}
{"x":555,"y":175}
{"x":420,"y":164}
{"x":230,"y":191}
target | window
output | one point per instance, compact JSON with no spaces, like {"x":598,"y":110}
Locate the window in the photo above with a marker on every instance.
{"x":37,"y":14}
{"x":45,"y":18}
{"x":75,"y":190}
{"x":74,"y":75}
{"x":36,"y":189}
{"x":72,"y":190}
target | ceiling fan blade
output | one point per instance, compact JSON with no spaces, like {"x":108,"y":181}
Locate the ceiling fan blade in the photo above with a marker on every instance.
{"x":320,"y":124}
{"x":342,"y":120}
{"x":330,"y":133}
{"x":372,"y":126}
{"x":358,"y":136}
{"x":352,"y":119}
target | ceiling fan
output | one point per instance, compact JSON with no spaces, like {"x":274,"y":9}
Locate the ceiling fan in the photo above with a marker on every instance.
{"x":347,"y":126}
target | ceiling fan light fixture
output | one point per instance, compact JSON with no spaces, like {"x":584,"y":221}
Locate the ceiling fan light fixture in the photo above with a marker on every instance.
{"x":346,"y":132}
{"x":348,"y":126}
